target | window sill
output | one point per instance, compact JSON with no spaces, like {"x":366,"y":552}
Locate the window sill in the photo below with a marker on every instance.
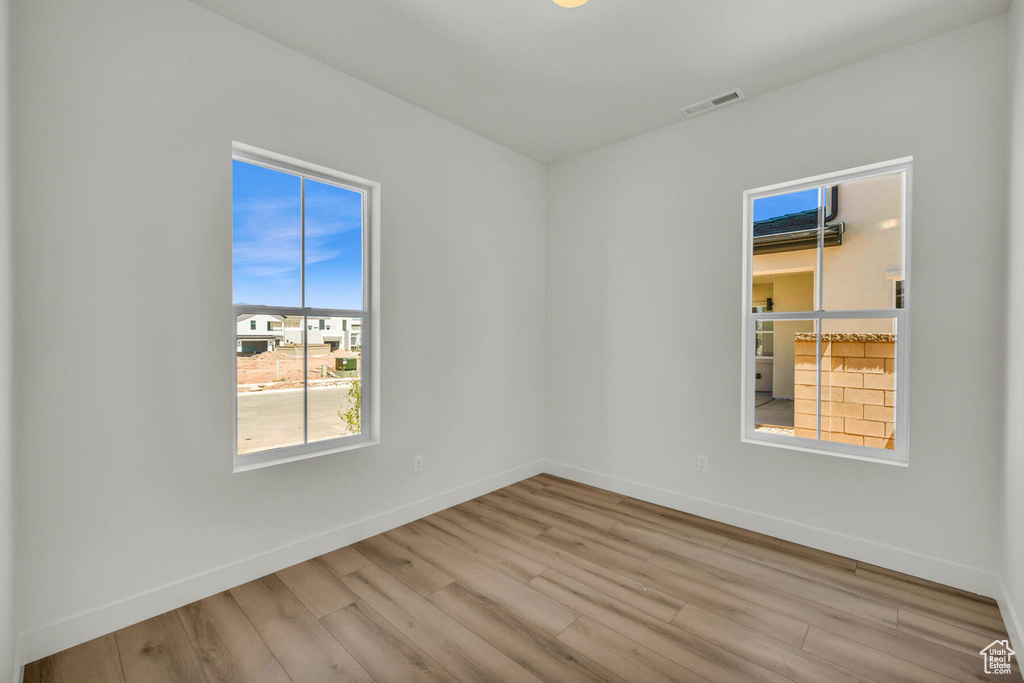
{"x":837,"y":450}
{"x":245,"y":463}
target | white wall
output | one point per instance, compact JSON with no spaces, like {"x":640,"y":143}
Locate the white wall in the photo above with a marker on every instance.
{"x":1012,"y":473}
{"x":7,"y":617}
{"x":649,"y":232}
{"x":124,"y":115}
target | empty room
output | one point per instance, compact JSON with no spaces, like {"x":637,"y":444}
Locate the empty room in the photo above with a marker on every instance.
{"x":511,"y":340}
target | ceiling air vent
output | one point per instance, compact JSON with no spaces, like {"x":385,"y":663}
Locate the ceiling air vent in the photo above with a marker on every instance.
{"x":713,"y":102}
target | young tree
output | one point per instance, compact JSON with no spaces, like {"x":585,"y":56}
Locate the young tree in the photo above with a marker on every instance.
{"x":351,"y":416}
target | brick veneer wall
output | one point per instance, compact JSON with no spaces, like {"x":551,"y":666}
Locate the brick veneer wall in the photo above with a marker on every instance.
{"x":858,"y":388}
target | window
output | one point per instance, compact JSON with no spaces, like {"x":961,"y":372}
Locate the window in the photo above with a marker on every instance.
{"x":302,"y":244}
{"x":826,"y":263}
{"x":765,"y":338}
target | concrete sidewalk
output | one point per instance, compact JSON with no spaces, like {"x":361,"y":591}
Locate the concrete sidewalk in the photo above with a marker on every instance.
{"x":772,"y":411}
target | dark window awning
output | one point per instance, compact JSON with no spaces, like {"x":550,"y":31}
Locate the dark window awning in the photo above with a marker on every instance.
{"x":793,"y":232}
{"x":797,"y":240}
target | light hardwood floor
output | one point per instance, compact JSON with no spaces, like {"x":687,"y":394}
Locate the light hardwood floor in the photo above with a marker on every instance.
{"x":556,"y":581}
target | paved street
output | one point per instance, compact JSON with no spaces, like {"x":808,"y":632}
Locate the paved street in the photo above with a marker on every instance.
{"x":274,"y":418}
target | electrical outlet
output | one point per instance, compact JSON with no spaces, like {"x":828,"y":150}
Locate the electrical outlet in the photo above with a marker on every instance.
{"x":702,"y":463}
{"x":418,"y":463}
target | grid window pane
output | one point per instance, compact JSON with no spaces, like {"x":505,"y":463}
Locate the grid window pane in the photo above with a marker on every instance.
{"x":266,"y":236}
{"x":785,"y":384}
{"x":859,"y":272}
{"x":334,"y":247}
{"x":334,"y":365}
{"x":858,"y":382}
{"x":784,"y":251}
{"x":270,"y":386}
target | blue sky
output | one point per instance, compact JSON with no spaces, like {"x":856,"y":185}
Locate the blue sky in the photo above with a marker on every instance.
{"x":267,"y":240}
{"x":780,"y":205}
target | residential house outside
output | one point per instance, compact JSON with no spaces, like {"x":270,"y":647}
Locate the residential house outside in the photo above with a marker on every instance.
{"x":258,"y":333}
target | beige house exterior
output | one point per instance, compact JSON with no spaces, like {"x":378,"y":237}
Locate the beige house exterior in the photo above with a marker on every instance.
{"x":860,"y":273}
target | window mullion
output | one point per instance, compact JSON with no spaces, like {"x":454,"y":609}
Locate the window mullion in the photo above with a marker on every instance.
{"x":819,"y":275}
{"x":819,"y":298}
{"x":305,"y":318}
{"x":817,"y":352}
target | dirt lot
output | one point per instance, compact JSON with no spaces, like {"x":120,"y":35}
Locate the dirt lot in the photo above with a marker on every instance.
{"x":274,"y":370}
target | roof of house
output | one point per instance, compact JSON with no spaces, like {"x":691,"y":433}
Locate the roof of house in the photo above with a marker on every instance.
{"x":791,"y":222}
{"x":257,"y":337}
{"x":241,"y":317}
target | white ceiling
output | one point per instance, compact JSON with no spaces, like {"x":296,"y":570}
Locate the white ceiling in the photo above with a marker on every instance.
{"x":551,"y":83}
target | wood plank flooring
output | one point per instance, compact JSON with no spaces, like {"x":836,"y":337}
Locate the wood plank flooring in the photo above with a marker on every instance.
{"x":550,"y":580}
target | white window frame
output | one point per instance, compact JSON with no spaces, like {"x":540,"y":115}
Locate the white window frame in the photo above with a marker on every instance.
{"x":900,"y":455}
{"x":369,"y":313}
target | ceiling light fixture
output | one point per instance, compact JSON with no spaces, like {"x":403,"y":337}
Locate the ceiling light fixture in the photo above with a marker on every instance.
{"x":569,"y":3}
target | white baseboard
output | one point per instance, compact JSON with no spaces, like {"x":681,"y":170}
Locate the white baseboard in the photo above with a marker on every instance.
{"x":1012,"y":620}
{"x":71,"y":631}
{"x":948,"y":573}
